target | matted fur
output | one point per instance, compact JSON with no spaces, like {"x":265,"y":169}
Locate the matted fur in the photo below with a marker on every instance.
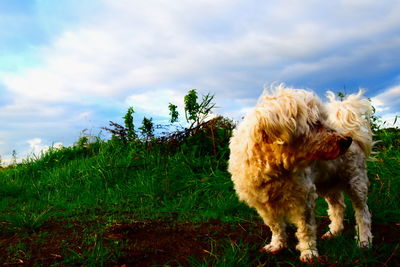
{"x":290,"y":147}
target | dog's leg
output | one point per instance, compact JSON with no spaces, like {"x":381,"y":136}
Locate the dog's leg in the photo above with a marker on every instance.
{"x":336,"y":214}
{"x":278,"y":240}
{"x":358,"y":191}
{"x":278,"y":228}
{"x":304,"y":219}
{"x":306,"y":234}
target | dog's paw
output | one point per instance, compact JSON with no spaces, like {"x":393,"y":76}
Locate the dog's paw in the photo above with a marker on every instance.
{"x":331,"y":234}
{"x":309,"y":256}
{"x":364,"y":244}
{"x":273,"y":248}
{"x":327,"y":235}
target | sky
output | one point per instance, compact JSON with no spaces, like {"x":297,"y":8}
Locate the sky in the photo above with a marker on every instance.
{"x":68,"y":67}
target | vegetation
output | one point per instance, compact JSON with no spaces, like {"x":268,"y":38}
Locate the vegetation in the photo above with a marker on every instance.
{"x":168,"y":200}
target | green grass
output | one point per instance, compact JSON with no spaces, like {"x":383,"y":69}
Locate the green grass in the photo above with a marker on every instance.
{"x":111,"y":182}
{"x":109,"y":177}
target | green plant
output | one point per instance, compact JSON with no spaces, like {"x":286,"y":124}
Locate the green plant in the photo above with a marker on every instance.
{"x":124,"y":133}
{"x":191,"y":106}
{"x":196,"y":113}
{"x":341,"y":96}
{"x":128,"y":120}
{"x":18,"y":253}
{"x":14,"y":158}
{"x":82,"y":141}
{"x":173,"y":112}
{"x":26,"y":219}
{"x":376,"y":122}
{"x":147,"y":129}
{"x":97,"y":253}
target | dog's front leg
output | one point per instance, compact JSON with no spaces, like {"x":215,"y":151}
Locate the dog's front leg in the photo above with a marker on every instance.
{"x":304,"y":219}
{"x":278,"y":228}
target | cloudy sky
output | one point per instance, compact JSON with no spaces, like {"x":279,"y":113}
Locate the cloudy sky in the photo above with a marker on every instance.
{"x":70,"y":65}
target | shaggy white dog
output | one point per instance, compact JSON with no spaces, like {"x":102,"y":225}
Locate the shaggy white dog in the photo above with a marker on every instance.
{"x":292,"y":146}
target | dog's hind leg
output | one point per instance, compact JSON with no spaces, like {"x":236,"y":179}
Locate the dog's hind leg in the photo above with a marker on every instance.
{"x":336,"y":213}
{"x":358,"y":191}
{"x":277,"y":226}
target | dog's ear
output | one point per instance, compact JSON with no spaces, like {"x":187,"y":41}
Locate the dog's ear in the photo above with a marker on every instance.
{"x":330,"y":147}
{"x":288,"y":116}
{"x":273,"y":126}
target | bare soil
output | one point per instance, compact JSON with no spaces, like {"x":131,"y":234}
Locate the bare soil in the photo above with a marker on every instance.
{"x":147,"y":243}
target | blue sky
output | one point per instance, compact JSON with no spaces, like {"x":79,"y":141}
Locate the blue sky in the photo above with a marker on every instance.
{"x":70,"y":65}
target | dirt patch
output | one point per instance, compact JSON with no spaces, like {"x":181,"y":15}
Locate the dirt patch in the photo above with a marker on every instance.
{"x":45,"y":246}
{"x":146,"y":243}
{"x":153,"y":242}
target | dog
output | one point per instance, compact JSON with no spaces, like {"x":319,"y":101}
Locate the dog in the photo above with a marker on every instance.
{"x":292,"y":147}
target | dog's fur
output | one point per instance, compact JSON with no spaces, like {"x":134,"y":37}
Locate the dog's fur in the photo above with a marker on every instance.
{"x":292,"y":146}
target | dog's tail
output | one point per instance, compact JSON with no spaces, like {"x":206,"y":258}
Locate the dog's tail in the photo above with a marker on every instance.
{"x":352,"y":115}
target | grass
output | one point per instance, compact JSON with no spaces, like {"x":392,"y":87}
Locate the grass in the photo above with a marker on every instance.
{"x":110,"y":177}
{"x":90,"y":188}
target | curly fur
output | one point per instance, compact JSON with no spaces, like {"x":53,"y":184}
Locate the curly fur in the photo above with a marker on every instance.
{"x":290,"y":147}
{"x":352,"y":116}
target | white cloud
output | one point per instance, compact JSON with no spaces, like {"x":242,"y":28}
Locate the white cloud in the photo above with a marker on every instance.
{"x":391,"y":120}
{"x":149,"y":53}
{"x":37,"y":147}
{"x":387,"y":103}
{"x":154,"y":43}
{"x":155,"y":102}
{"x":84,"y":115}
{"x":23,"y":109}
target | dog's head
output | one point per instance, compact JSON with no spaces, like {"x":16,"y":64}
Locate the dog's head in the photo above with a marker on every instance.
{"x":289,"y":129}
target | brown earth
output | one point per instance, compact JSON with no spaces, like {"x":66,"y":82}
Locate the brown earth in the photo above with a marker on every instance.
{"x":147,"y":243}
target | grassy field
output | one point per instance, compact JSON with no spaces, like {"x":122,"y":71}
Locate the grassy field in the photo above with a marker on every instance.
{"x":144,"y":203}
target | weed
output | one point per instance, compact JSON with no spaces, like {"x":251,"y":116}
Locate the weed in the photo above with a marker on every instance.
{"x":26,"y":219}
{"x":18,"y":253}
